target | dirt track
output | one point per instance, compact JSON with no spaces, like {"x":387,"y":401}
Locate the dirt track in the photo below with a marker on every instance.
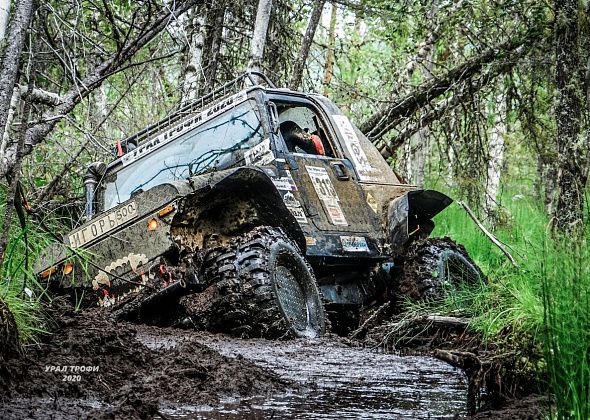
{"x":126,"y":378}
{"x":147,"y":372}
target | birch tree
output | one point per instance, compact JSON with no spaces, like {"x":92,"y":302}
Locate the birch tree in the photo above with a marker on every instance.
{"x":259,"y":35}
{"x":330,"y":56}
{"x":4,"y":13}
{"x":495,"y":156}
{"x":11,"y":61}
{"x":316,"y":14}
{"x":194,"y":30}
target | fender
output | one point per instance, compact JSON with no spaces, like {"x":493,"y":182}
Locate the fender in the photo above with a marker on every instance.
{"x":411,"y":215}
{"x":219,"y":204}
{"x":226,"y":203}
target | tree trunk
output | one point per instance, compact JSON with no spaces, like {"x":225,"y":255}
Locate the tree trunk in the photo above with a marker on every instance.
{"x":450,"y":153}
{"x":216,"y":17}
{"x":14,"y":103}
{"x":259,"y":35}
{"x":330,"y":58}
{"x":4,"y":14}
{"x":550,"y":174}
{"x":570,"y":146}
{"x":193,"y":70}
{"x":316,"y":14}
{"x":495,"y":157}
{"x":418,"y":146}
{"x":14,"y":178}
{"x":11,"y":59}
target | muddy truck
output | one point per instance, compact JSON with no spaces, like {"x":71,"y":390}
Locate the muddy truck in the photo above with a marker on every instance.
{"x":257,"y":211}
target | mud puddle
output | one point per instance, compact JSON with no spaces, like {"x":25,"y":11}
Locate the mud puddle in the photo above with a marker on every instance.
{"x":337,"y":381}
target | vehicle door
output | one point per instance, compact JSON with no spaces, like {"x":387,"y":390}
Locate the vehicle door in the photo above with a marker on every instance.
{"x":329,"y":191}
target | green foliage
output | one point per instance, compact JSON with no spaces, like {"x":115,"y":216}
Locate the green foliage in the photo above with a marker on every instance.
{"x":565,"y":272}
{"x":543,"y":305}
{"x":17,"y":277}
{"x":26,"y":311}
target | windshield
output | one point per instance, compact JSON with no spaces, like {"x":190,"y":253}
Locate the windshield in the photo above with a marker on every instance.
{"x":217,"y":144}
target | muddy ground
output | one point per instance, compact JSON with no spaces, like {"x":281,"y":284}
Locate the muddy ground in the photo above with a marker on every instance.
{"x":122,"y":377}
{"x":139,"y":371}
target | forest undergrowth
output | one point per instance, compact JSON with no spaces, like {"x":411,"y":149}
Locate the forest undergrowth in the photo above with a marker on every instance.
{"x":19,"y":290}
{"x":539,"y":309}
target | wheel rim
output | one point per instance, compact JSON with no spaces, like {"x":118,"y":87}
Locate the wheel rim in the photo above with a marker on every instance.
{"x":291,"y":298}
{"x":457,"y":269}
{"x":296,"y":298}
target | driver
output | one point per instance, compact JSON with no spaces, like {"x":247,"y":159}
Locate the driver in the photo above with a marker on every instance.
{"x":295,"y":137}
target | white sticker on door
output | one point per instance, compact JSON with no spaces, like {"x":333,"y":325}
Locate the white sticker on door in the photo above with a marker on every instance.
{"x":298,"y":214}
{"x":359,"y":158}
{"x":335,"y":212}
{"x":294,"y":207}
{"x":261,"y":154}
{"x":322,"y":183}
{"x":327,"y":194}
{"x":354,"y":243}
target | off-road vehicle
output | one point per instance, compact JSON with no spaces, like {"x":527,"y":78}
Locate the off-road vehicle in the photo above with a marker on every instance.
{"x":253,"y":210}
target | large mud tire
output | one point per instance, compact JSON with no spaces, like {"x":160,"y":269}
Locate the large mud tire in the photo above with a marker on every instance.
{"x":436,"y":266}
{"x":262,"y":286}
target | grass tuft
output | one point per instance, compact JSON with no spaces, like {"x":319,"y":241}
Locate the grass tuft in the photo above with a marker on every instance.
{"x":545,"y":301}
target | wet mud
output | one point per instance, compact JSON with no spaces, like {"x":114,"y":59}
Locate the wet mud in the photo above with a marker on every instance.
{"x":92,"y":367}
{"x":336,"y":381}
{"x":502,"y":381}
{"x":138,"y":371}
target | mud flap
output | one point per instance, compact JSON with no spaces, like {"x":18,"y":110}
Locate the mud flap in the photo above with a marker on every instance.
{"x":411,"y":215}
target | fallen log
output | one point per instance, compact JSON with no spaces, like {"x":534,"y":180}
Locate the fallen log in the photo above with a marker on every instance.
{"x":511,"y":51}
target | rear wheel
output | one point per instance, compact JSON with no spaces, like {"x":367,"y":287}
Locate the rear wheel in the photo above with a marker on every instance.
{"x":261,"y":286}
{"x":434,"y":267}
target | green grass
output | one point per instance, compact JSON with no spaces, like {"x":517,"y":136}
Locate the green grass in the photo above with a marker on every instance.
{"x":17,"y":273}
{"x":543,"y":304}
{"x":26,"y":311}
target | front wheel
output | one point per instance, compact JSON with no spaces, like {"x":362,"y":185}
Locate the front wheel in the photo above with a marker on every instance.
{"x":435,"y":266}
{"x":261,"y":286}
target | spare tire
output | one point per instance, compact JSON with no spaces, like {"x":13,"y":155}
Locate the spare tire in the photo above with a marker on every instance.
{"x":435,"y":266}
{"x":261,"y":286}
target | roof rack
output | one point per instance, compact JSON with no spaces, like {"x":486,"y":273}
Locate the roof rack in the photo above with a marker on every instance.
{"x":233,"y":86}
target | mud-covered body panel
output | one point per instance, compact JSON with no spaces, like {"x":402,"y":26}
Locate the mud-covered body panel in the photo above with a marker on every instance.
{"x":336,"y":207}
{"x":191,"y":208}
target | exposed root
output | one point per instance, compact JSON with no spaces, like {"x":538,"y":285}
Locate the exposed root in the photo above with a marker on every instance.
{"x":370,"y":321}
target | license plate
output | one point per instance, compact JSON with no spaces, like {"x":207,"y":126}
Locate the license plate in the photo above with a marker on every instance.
{"x":102,"y":225}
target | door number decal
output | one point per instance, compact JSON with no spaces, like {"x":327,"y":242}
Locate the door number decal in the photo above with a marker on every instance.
{"x":327,"y":194}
